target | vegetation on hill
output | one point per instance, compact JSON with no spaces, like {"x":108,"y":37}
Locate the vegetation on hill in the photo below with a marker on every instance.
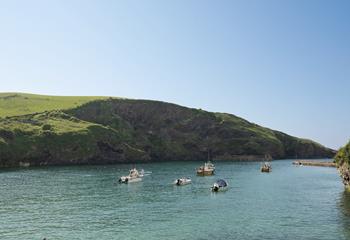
{"x":55,"y":138}
{"x":110,"y":130}
{"x":14,"y":104}
{"x":342,"y":160}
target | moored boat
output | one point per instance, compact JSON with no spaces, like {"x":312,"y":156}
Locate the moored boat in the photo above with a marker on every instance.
{"x":219,"y":185}
{"x":182,"y":181}
{"x":298,"y":163}
{"x":266,"y":167}
{"x":134,"y":176}
{"x":206,"y":170}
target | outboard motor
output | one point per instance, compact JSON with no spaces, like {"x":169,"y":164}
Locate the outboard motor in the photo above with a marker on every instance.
{"x":215,"y":187}
{"x":123,"y":180}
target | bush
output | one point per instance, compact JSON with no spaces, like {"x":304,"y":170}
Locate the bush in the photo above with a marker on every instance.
{"x":343,"y":154}
{"x":46,"y":127}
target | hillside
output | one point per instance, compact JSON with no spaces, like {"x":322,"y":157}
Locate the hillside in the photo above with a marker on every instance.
{"x":111,"y":130}
{"x":13,"y":104}
{"x":343,"y":163}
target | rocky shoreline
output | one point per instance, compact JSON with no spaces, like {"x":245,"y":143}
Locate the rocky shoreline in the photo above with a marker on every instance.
{"x":314,"y":163}
{"x":342,"y":160}
{"x":344,"y":171}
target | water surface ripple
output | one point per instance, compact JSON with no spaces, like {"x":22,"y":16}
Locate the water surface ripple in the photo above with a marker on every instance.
{"x":85,"y":202}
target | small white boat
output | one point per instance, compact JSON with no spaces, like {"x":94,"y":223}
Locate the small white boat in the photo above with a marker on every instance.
{"x":182,"y":181}
{"x":298,"y":163}
{"x":134,"y":176}
{"x":219,"y":185}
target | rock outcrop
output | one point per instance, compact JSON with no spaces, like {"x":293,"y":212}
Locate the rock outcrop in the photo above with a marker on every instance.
{"x":343,"y":163}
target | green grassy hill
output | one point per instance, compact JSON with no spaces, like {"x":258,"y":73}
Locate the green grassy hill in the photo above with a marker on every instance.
{"x":55,"y":138}
{"x":45,"y":130}
{"x":14,"y":104}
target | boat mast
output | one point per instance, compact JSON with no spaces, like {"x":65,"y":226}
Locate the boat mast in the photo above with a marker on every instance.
{"x":208,"y":150}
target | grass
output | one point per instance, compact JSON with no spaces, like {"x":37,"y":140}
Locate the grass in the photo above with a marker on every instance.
{"x":15,"y":104}
{"x":55,"y":137}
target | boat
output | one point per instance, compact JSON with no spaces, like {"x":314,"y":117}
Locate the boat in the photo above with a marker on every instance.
{"x":134,"y":176}
{"x":219,"y":185}
{"x":206,"y":170}
{"x":182,"y":181}
{"x":266,"y":167}
{"x":298,"y":163}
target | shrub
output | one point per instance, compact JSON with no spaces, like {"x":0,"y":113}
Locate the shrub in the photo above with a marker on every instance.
{"x":46,"y":127}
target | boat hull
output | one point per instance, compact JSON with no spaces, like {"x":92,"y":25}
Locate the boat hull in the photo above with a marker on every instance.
{"x":129,"y":180}
{"x":220,"y":189}
{"x":182,"y":182}
{"x":266,"y":170}
{"x":205,"y":173}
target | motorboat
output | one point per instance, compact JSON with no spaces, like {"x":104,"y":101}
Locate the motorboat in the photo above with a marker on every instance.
{"x":134,"y":176}
{"x":298,"y":163}
{"x":206,"y":170}
{"x":182,"y":181}
{"x":266,"y":167}
{"x":219,"y":185}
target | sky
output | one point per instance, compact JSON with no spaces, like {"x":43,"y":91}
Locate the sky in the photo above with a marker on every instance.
{"x":281,"y":64}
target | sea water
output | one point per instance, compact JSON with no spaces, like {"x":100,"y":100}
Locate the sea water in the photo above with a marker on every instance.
{"x":86,"y":202}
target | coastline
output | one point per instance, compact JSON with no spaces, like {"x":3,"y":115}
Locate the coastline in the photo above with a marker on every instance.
{"x":314,"y":163}
{"x":324,"y":162}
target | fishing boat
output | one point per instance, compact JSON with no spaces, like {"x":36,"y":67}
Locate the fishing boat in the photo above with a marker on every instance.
{"x":134,"y":176}
{"x":182,"y":181}
{"x":219,"y":185}
{"x":206,"y":170}
{"x":266,"y":167}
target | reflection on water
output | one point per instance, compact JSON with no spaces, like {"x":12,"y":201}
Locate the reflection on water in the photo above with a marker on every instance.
{"x":345,"y":212}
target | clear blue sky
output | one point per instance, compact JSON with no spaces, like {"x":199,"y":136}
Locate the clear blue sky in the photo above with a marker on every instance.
{"x":280,"y":64}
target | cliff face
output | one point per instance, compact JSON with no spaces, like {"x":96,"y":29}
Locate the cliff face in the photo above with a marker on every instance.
{"x":120,"y":130}
{"x":343,"y":163}
{"x":168,"y":131}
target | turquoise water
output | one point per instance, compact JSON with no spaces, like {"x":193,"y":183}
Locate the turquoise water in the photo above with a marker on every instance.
{"x":85,"y":202}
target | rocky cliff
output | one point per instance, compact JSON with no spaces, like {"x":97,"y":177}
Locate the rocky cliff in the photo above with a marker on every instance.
{"x":343,"y":163}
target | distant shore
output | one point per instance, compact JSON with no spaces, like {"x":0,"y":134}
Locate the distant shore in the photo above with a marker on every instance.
{"x":314,"y":163}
